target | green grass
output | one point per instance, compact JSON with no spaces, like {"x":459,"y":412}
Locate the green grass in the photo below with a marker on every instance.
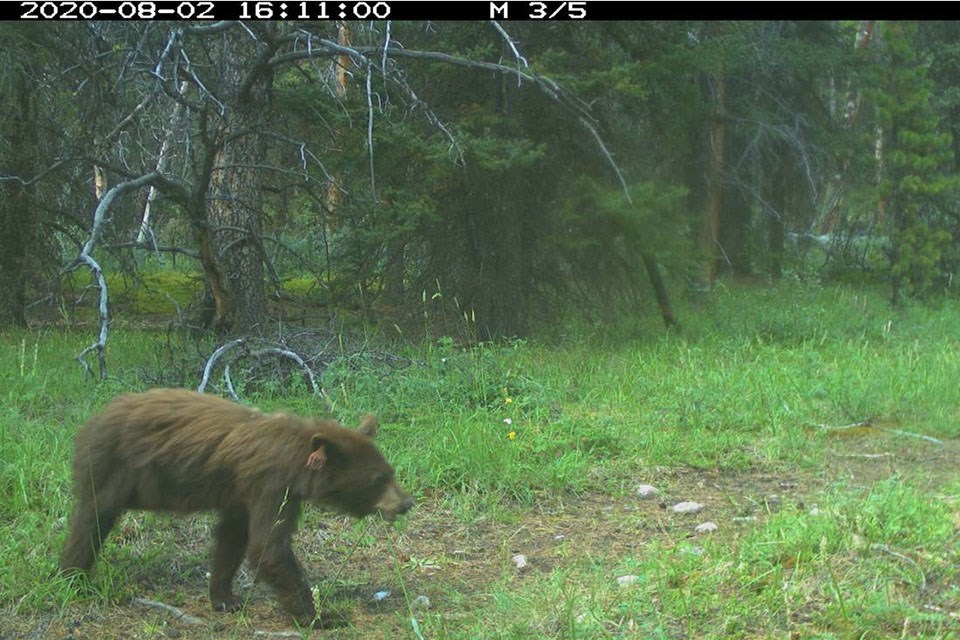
{"x":535,"y":447}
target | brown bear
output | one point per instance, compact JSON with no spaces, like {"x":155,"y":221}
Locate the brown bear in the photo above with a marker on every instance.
{"x":182,"y":451}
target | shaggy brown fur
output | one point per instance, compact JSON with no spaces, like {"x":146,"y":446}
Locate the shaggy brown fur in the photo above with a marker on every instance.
{"x":177,"y":450}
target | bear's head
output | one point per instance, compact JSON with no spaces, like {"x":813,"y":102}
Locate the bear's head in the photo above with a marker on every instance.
{"x":351,"y":476}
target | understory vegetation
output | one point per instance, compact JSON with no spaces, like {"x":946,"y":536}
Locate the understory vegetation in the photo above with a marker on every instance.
{"x":817,"y":427}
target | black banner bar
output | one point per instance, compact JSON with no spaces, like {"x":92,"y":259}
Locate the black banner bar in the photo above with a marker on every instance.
{"x":287,"y":10}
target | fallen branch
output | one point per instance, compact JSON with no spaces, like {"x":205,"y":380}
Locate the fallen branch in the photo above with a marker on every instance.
{"x":175,"y":612}
{"x":907,"y":559}
{"x":853,"y":425}
{"x":910,"y":434}
{"x":293,"y":356}
{"x":867,"y":424}
{"x":213,"y":360}
{"x":867,"y":456}
{"x":229,"y":383}
{"x":942,"y":611}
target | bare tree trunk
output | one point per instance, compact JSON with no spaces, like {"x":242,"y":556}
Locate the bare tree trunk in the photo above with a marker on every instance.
{"x":215,"y":277}
{"x":340,"y":64}
{"x":735,"y":219}
{"x":162,"y":162}
{"x":776,"y":222}
{"x":394,"y":270}
{"x":710,"y":231}
{"x":17,"y":208}
{"x":660,"y":291}
{"x":235,"y":196}
{"x":234,"y":213}
{"x":851,"y":110}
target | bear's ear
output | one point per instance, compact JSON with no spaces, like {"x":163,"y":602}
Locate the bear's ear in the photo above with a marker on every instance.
{"x":318,"y":452}
{"x":369,"y":427}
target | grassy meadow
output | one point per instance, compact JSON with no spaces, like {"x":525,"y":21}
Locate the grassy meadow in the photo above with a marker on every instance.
{"x":819,"y":429}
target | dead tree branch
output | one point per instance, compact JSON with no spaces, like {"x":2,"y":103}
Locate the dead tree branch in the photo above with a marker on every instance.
{"x":255,"y":355}
{"x":286,"y":353}
{"x":364,"y":56}
{"x":212,"y":361}
{"x":907,"y":559}
{"x":175,"y":612}
{"x":86,"y":258}
{"x":510,"y":43}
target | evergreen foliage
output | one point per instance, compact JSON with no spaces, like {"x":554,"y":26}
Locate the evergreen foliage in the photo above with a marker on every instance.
{"x":507,"y":174}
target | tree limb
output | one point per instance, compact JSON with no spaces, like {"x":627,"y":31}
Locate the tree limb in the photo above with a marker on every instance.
{"x":85,"y":258}
{"x":213,"y":360}
{"x":363,"y":57}
{"x":286,"y":353}
{"x":149,"y":246}
{"x":511,"y":44}
{"x":175,"y":612}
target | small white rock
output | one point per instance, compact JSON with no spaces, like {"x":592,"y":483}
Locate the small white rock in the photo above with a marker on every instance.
{"x":706,"y":527}
{"x":519,"y":561}
{"x":627,"y":580}
{"x":646,"y":491}
{"x":420,"y":602}
{"x":687,"y":507}
{"x":379,"y":596}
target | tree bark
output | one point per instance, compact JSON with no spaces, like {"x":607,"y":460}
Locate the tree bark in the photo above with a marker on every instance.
{"x":235,"y":196}
{"x":734,"y":231}
{"x":710,"y":230}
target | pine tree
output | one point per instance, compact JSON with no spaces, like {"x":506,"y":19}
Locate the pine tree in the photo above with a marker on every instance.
{"x":914,"y":155}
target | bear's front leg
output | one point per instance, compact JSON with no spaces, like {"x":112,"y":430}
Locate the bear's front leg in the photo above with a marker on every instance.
{"x":279,"y":568}
{"x":271,"y":555}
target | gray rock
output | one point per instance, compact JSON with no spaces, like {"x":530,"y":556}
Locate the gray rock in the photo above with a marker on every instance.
{"x":627,"y":580}
{"x":706,"y":527}
{"x":520,"y":562}
{"x":420,"y":602}
{"x":646,"y":491}
{"x":687,"y":507}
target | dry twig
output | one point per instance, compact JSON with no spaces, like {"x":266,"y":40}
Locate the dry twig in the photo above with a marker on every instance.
{"x":175,"y":612}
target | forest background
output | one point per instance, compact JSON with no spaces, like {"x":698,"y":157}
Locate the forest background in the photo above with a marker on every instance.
{"x":515,"y":177}
{"x":556,"y":260}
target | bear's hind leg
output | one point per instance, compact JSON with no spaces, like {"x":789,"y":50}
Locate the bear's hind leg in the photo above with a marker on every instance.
{"x":231,"y":545}
{"x":88,"y":529}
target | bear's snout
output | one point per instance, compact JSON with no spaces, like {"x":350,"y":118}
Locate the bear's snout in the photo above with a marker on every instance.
{"x":394,"y":502}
